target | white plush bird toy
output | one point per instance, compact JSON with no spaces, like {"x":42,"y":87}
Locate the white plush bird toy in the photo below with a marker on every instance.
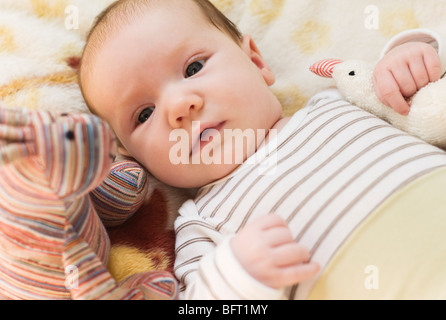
{"x":427,"y":117}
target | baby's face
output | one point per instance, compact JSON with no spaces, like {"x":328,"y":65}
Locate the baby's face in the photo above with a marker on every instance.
{"x":170,"y":81}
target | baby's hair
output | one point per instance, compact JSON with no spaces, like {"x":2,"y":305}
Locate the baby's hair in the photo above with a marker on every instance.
{"x":122,"y":12}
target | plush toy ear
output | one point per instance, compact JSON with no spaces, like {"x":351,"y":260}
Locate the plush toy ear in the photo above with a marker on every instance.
{"x":121,"y":194}
{"x":15,"y":151}
{"x":324,"y":68}
{"x":15,"y":143}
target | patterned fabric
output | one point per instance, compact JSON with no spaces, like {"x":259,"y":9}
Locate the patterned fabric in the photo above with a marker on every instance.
{"x":324,"y":68}
{"x":52,"y":243}
{"x":121,"y":194}
{"x":292,"y":35}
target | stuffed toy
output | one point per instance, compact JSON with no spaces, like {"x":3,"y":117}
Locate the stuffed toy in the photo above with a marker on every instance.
{"x":52,"y":242}
{"x":121,"y":193}
{"x":427,"y":117}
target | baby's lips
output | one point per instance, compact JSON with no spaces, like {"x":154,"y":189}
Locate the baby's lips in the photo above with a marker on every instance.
{"x":324,"y":68}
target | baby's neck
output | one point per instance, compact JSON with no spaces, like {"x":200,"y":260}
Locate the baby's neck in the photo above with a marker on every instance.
{"x":279,"y":125}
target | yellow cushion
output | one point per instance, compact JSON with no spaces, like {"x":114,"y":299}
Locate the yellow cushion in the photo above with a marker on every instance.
{"x":398,"y":252}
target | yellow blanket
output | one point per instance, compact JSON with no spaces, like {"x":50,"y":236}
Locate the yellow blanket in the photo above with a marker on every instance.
{"x":398,"y":252}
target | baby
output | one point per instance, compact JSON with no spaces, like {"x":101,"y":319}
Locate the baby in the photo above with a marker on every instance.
{"x":178,"y":83}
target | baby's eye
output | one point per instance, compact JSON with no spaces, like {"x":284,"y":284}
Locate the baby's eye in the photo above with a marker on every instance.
{"x":194,"y":68}
{"x":145,"y":115}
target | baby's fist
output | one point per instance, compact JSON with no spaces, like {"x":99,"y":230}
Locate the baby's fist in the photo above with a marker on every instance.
{"x":403,"y":71}
{"x":267,"y":251}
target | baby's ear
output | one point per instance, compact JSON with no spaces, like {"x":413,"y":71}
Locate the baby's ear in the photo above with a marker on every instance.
{"x":248,"y":45}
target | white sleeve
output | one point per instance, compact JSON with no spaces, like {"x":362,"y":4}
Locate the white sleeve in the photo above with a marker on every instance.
{"x":206,"y":266}
{"x":329,"y":93}
{"x":419,"y":35}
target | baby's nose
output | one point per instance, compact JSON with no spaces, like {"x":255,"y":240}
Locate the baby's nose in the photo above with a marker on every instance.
{"x":183,"y":108}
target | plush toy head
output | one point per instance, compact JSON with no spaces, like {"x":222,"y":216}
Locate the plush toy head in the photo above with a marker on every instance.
{"x":354,"y":79}
{"x":68,"y":155}
{"x":427,"y":117}
{"x":52,"y":242}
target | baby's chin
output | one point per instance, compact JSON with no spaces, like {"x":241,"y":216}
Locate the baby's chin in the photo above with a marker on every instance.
{"x":199,"y":175}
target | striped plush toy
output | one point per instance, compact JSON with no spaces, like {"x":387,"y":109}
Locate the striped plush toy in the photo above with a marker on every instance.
{"x":52,"y":243}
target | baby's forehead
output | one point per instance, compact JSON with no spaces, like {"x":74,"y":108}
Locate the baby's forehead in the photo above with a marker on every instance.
{"x":130,"y":13}
{"x":111,"y":22}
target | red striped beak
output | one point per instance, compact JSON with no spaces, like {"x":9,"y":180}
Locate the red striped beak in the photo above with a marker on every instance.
{"x":324,"y":68}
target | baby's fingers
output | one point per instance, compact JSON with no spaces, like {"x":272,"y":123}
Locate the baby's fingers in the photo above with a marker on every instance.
{"x":290,"y":254}
{"x":291,"y":261}
{"x":297,"y":273}
{"x":388,"y":92}
{"x":432,"y":63}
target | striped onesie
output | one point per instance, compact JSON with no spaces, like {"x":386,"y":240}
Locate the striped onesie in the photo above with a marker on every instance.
{"x":331,"y":167}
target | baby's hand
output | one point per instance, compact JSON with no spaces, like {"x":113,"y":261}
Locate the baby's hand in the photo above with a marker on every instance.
{"x":403,"y":71}
{"x":266,"y":249}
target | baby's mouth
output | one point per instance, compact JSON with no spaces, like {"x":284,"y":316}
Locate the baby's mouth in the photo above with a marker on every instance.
{"x":206,"y":134}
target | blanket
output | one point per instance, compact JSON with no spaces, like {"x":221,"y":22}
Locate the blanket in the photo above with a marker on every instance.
{"x":41,"y":42}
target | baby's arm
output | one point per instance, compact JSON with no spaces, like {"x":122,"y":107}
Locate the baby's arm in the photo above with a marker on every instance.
{"x":267,"y":251}
{"x":207,"y":267}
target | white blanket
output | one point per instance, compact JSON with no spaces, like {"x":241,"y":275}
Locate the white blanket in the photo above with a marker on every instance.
{"x":39,"y":39}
